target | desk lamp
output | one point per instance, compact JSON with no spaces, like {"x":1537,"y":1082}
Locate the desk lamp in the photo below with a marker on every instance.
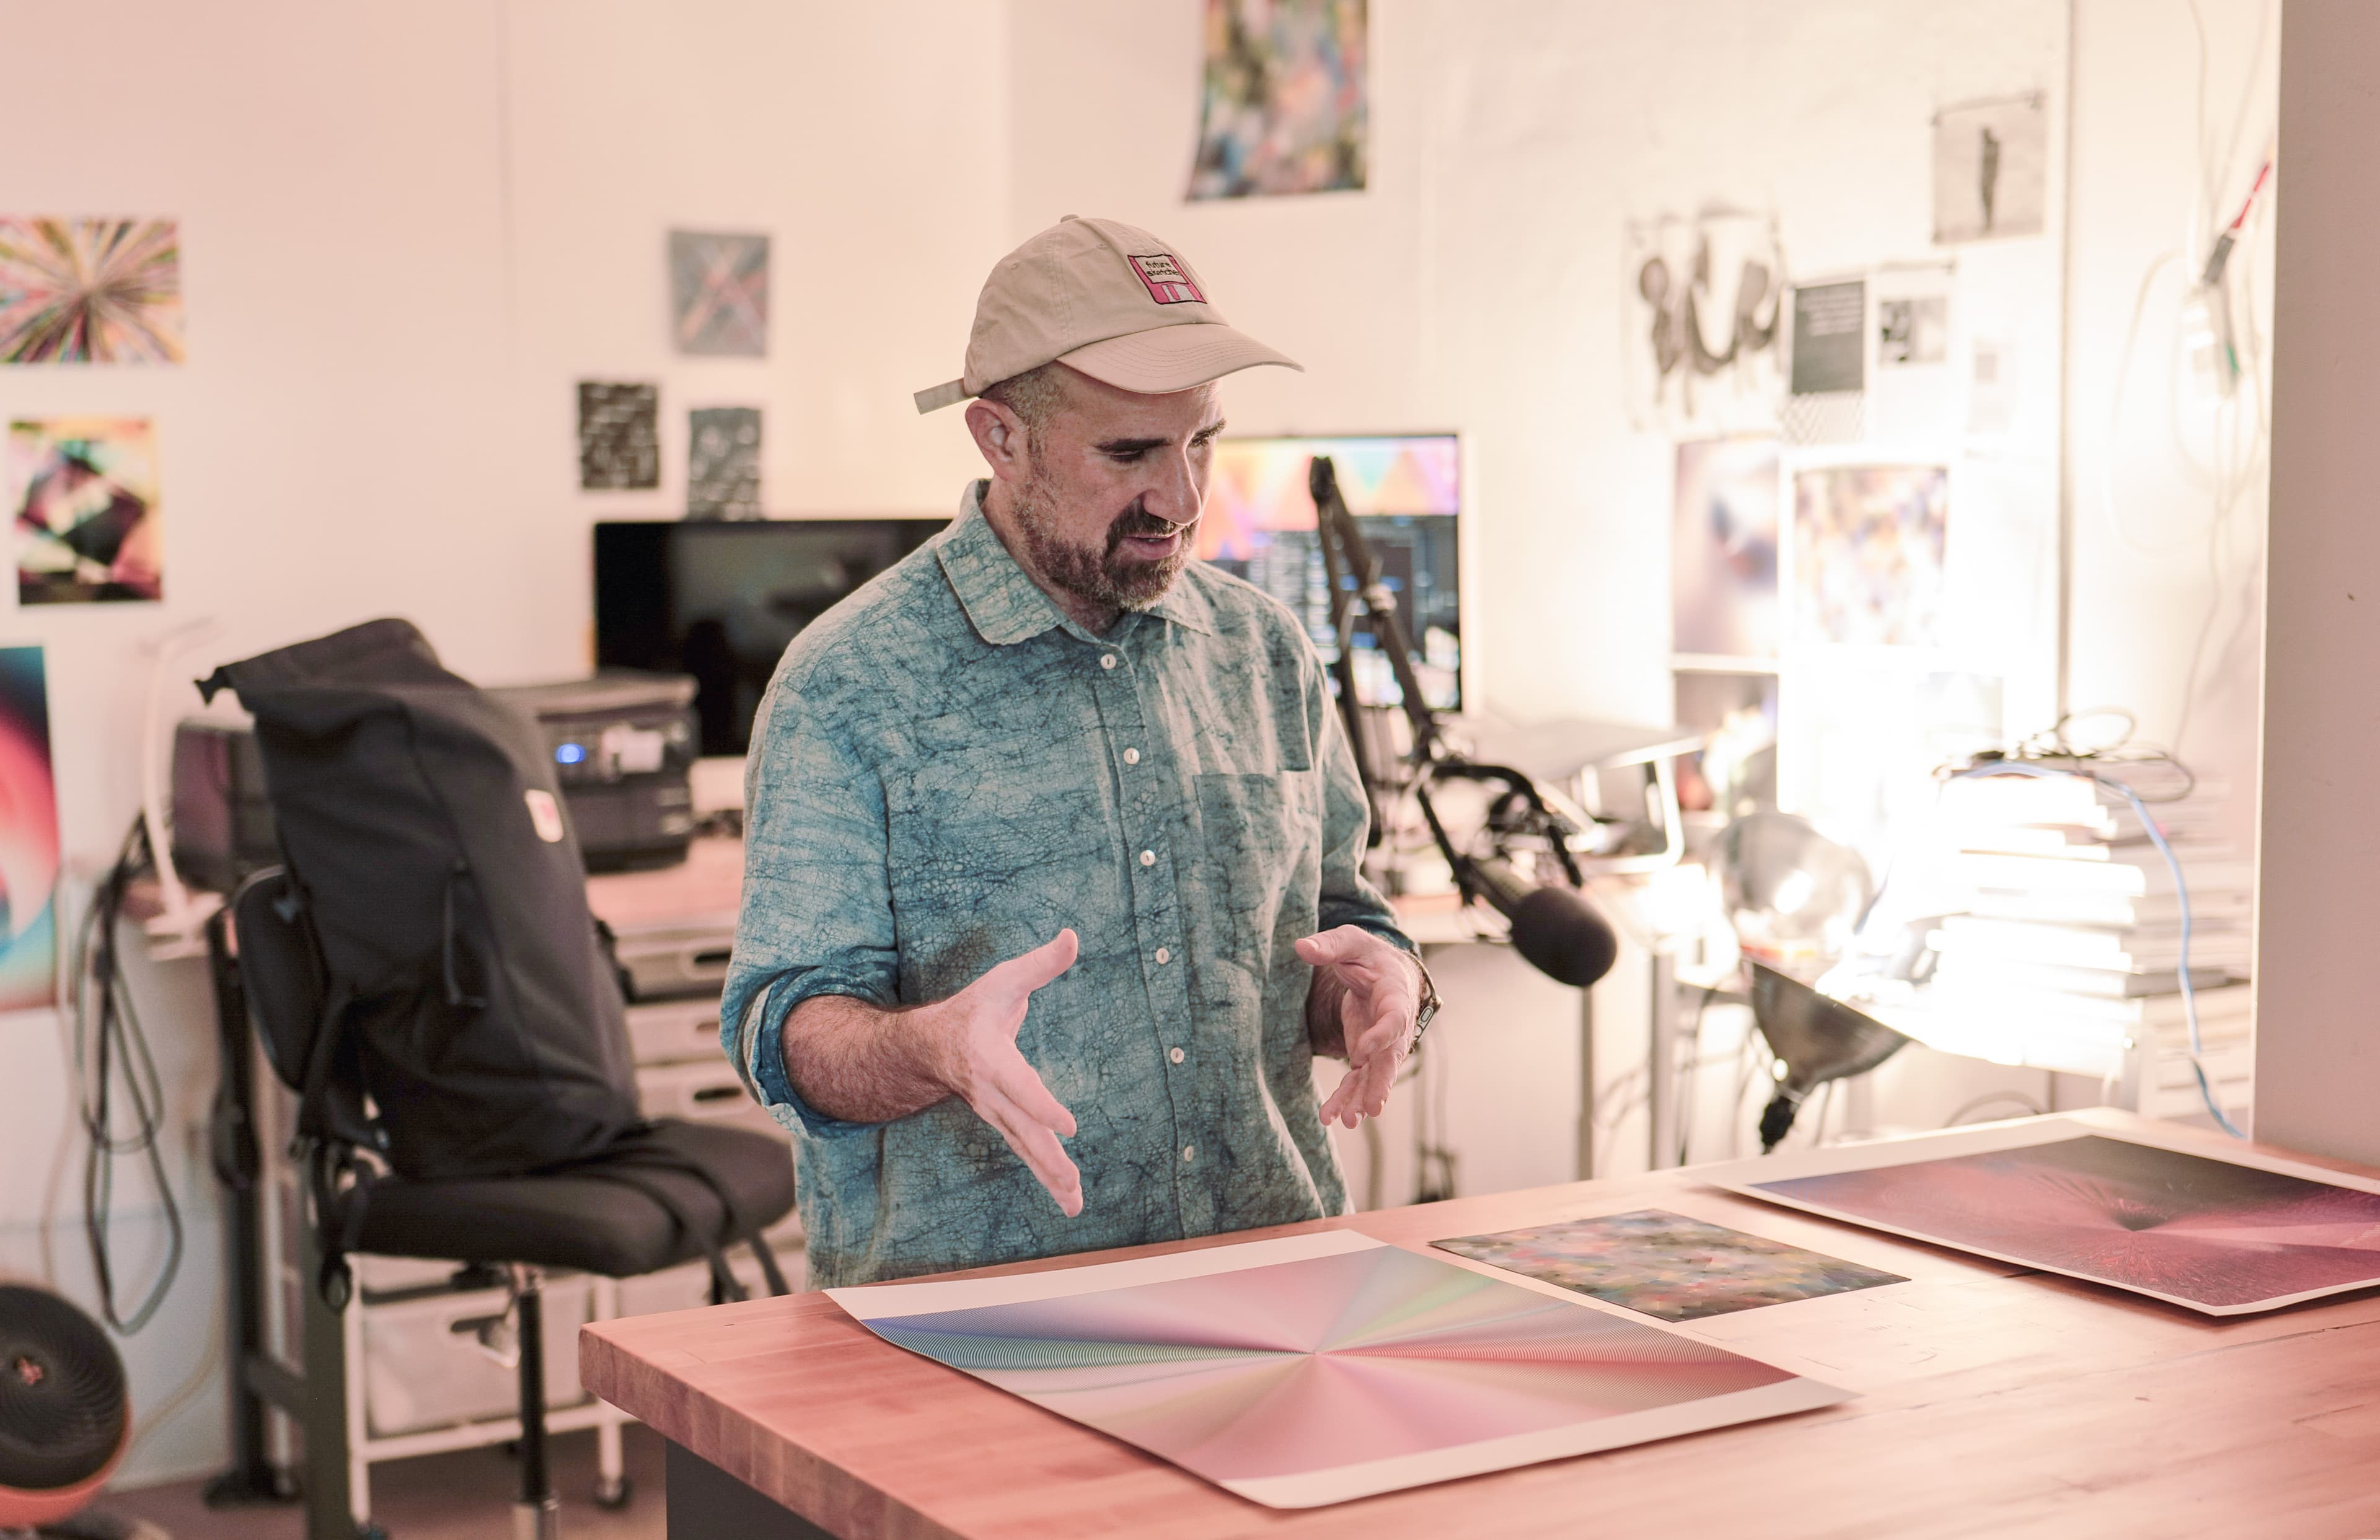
{"x":1796,"y":899}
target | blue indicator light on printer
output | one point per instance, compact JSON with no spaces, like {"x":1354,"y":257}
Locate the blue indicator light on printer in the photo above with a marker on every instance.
{"x":569,"y":753}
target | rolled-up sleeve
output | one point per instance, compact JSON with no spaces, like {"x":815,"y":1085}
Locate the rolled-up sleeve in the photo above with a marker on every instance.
{"x":1347,"y":898}
{"x":817,"y":916}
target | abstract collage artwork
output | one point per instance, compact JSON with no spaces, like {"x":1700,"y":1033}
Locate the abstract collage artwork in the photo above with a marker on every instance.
{"x":29,"y":835}
{"x":1868,"y":550}
{"x":1725,"y":532}
{"x":1320,"y":1369}
{"x":719,"y":293}
{"x":83,"y":495}
{"x":2223,"y":1236}
{"x":619,"y":435}
{"x":723,"y":463}
{"x":94,"y":291}
{"x":1667,"y":1266}
{"x":1283,"y":108}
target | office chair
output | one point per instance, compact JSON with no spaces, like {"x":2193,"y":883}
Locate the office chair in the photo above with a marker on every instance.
{"x":676,"y":1192}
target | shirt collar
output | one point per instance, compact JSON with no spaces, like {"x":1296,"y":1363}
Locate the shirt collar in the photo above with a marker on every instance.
{"x":1006,"y":606}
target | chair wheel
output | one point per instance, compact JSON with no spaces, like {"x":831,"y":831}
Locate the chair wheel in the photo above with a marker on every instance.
{"x":614,"y":1496}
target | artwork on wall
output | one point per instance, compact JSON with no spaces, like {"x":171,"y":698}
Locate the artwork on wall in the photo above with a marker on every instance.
{"x":1667,"y":1266}
{"x":1827,"y":399}
{"x":723,"y":463}
{"x":29,"y":835}
{"x":619,"y":435}
{"x":719,"y":293}
{"x":100,"y":291}
{"x":1868,"y":545}
{"x":1703,"y":298}
{"x":1284,"y":101}
{"x":1991,"y":169}
{"x":1735,"y":770}
{"x":1318,"y":1368}
{"x":84,"y":494}
{"x":2228,"y":1235}
{"x":1725,"y":528}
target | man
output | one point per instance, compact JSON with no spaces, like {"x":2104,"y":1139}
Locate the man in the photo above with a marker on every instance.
{"x":1052,"y":834}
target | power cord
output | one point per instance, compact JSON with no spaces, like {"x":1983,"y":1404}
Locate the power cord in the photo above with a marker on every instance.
{"x":113,"y":1061}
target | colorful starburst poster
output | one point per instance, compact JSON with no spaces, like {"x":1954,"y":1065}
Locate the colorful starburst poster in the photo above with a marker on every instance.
{"x":1667,"y":1266}
{"x":1318,"y":1368}
{"x":2227,"y":1236}
{"x":29,"y":835}
{"x":1284,"y":108}
{"x":100,"y":291}
{"x":83,"y":491}
{"x":719,"y":293}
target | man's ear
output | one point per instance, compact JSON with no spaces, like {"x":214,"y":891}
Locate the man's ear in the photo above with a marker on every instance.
{"x":1000,"y":437}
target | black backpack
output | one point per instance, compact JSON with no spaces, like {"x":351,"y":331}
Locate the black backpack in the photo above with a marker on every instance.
{"x":468,"y":991}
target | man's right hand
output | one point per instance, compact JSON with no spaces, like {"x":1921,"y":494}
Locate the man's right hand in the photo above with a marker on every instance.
{"x":976,"y":1059}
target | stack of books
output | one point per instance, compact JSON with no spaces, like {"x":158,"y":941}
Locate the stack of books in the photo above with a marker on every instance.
{"x":2066,"y":949}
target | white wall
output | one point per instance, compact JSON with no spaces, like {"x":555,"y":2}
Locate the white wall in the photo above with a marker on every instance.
{"x":2317,"y":1057}
{"x":408,"y":231}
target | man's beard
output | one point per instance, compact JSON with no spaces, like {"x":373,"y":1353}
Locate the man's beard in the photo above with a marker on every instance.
{"x":1102,"y":576}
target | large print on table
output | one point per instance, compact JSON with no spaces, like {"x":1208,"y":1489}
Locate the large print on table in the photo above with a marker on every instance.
{"x":2227,"y":1236}
{"x":1318,"y":1368}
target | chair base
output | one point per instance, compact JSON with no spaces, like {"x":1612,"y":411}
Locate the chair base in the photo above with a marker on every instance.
{"x":538,"y":1520}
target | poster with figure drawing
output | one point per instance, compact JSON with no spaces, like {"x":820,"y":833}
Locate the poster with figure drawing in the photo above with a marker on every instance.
{"x":719,"y":293}
{"x":1283,"y":107}
{"x":1991,"y":169}
{"x":83,"y":491}
{"x":1318,"y":1368}
{"x":1703,"y":296}
{"x":90,"y":291}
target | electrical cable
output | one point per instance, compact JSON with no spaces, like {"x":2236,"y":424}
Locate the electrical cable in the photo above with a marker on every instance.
{"x":112,"y":1055}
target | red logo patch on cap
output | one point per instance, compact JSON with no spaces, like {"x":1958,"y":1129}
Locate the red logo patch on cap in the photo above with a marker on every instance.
{"x":1167,"y":284}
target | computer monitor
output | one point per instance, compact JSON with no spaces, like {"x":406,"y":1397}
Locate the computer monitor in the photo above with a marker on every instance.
{"x":720,"y":599}
{"x":1404,"y":491}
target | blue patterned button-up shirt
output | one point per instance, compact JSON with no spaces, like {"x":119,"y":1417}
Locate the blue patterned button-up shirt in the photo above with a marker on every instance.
{"x":947,"y":771}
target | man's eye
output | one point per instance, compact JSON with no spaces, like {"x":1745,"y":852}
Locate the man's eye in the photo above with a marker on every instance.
{"x":1127,"y":456}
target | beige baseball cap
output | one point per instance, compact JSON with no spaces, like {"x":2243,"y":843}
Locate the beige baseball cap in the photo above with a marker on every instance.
{"x":1110,"y":300}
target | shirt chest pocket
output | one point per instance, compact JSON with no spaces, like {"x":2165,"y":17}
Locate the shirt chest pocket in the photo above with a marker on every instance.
{"x":1262,"y":839}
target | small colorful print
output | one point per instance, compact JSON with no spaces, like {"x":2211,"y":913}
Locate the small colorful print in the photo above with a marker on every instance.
{"x":1667,"y":1266}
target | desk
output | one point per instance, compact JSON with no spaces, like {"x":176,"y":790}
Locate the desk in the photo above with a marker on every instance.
{"x":1994,"y":1401}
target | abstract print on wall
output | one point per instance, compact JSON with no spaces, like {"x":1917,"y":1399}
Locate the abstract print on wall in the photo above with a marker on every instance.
{"x":2224,"y":1236}
{"x":29,"y":835}
{"x":1868,"y":550}
{"x":1320,"y":1369}
{"x":1283,"y":109}
{"x":1667,"y":1266}
{"x":99,"y":291}
{"x":719,"y":293}
{"x":83,"y":493}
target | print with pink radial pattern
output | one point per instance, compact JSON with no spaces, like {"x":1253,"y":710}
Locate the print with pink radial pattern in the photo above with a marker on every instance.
{"x":1327,"y":1361}
{"x":2133,"y":1215}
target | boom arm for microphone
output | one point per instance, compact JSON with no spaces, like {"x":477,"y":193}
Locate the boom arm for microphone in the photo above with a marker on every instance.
{"x":1553,"y":928}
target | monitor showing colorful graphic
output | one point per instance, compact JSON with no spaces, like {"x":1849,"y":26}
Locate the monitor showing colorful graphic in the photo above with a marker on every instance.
{"x":1404,"y":492}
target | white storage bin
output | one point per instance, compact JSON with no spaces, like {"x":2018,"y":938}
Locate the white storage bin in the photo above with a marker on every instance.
{"x":687,"y":1285}
{"x":711,"y":1092}
{"x":383,"y":1275}
{"x":675,"y":1031}
{"x":423,"y":1372}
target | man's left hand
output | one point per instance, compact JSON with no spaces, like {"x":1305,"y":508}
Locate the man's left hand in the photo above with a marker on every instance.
{"x":1378,"y":991}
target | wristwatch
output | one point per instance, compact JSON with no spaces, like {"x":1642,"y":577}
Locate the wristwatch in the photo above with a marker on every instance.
{"x":1428,"y":1009}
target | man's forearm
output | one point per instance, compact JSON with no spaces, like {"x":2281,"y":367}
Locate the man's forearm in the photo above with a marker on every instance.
{"x":859,"y":1062}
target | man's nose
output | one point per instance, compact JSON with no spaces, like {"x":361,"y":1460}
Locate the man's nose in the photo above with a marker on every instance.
{"x":1173,"y":494}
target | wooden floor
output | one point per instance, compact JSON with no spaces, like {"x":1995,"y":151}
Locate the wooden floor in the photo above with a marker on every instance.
{"x":463,"y":1495}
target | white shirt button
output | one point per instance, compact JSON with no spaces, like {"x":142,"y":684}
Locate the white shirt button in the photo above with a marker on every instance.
{"x":1148,"y":857}
{"x":1131,"y":756}
{"x":1176,"y":1056}
{"x":1107,"y":660}
{"x":1189,"y":1152}
{"x":1164,"y":955}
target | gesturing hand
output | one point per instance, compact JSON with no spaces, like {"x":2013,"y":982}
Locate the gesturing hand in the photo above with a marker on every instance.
{"x":978,"y":1063}
{"x":1378,"y":999}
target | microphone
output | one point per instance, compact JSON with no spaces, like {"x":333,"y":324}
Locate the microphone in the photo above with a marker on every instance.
{"x":1554,"y":928}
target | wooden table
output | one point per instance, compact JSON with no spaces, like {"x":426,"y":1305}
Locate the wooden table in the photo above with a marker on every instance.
{"x":1994,"y":1401}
